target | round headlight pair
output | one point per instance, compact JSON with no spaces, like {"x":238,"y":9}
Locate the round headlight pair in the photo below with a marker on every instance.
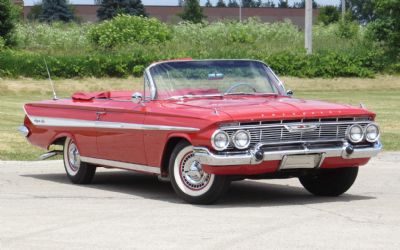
{"x":220,"y":139}
{"x":356,"y":133}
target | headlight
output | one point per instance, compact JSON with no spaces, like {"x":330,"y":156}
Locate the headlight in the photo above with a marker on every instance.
{"x":372,"y":133}
{"x":355,"y":133}
{"x":241,"y":139}
{"x":220,"y":140}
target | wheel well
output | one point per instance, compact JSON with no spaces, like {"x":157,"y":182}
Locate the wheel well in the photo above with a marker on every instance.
{"x":171,"y":144}
{"x":59,"y":141}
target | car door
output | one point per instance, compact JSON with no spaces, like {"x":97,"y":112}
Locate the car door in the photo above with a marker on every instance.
{"x":119,"y":131}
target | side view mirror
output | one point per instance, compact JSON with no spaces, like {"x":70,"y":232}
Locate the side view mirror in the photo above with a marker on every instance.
{"x":289,"y":92}
{"x":137,"y":98}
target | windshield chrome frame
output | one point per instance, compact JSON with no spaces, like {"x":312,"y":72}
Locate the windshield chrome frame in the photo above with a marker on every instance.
{"x":153,"y":89}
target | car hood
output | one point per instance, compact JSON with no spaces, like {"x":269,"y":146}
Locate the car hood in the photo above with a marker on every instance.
{"x":274,"y":107}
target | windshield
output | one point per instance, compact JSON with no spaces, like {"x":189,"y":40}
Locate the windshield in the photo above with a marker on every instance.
{"x":212,"y":78}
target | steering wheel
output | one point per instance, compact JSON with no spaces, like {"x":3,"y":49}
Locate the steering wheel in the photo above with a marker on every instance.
{"x":236,"y":85}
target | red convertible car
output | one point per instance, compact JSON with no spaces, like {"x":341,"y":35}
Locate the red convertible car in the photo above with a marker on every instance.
{"x":204,"y":123}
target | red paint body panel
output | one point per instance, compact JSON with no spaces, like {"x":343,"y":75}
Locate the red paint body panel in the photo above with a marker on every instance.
{"x":146,"y":147}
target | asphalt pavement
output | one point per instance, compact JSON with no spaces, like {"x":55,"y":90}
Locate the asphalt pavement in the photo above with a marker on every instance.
{"x":41,"y":209}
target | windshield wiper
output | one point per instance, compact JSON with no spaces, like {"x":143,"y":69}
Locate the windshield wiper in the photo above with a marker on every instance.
{"x":239,"y":93}
{"x":192,"y":96}
{"x":252,"y":94}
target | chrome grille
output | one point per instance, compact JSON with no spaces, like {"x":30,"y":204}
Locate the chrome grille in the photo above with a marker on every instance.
{"x":330,"y":129}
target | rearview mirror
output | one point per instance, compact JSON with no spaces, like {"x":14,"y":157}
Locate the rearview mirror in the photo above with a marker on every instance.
{"x":289,"y":92}
{"x":215,"y":76}
{"x":137,"y":97}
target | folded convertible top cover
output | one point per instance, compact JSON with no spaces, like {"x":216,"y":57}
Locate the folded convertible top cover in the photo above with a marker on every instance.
{"x":90,"y":96}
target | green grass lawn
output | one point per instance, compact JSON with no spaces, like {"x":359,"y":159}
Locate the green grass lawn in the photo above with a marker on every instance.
{"x":381,"y":95}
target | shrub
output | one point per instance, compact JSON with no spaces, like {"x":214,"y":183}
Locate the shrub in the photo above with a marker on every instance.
{"x":125,"y":29}
{"x":2,"y":43}
{"x":347,"y":29}
{"x":56,"y":37}
{"x":386,"y":26}
{"x":28,"y":64}
{"x":328,"y":15}
{"x":6,"y":20}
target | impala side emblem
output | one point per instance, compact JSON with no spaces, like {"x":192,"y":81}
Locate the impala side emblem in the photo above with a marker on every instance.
{"x":301,"y":128}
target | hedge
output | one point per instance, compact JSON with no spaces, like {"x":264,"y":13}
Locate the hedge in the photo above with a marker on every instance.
{"x":14,"y":64}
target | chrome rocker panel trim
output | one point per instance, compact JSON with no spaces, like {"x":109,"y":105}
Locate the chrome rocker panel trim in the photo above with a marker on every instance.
{"x":122,"y":165}
{"x":206,"y":157}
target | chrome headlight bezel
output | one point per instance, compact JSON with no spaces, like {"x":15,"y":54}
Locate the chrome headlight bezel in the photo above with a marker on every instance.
{"x":248,"y":139}
{"x":377,"y":132}
{"x":213,"y":140}
{"x":348,"y":134}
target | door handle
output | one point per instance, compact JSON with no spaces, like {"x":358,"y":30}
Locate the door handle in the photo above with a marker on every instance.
{"x":99,"y":114}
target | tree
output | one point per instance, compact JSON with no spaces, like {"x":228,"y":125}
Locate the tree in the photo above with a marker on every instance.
{"x":233,"y":4}
{"x":192,"y":11}
{"x":302,"y":4}
{"x":208,"y":4}
{"x":283,"y":4}
{"x":268,"y":3}
{"x":7,"y":19}
{"x":251,"y":3}
{"x":328,"y":15}
{"x":385,"y":26}
{"x":362,"y":10}
{"x":111,"y":8}
{"x":56,"y":10}
{"x":220,"y":4}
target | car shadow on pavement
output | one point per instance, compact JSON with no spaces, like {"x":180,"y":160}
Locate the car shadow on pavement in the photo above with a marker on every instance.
{"x":241,"y":193}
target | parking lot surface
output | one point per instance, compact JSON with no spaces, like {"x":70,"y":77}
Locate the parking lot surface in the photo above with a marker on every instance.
{"x":40,"y":209}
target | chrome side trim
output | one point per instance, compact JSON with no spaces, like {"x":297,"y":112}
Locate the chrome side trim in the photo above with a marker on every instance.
{"x":122,"y":165}
{"x":206,"y":157}
{"x":63,"y":122}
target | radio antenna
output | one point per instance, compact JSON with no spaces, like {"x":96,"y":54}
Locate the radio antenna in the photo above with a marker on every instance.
{"x":51,"y":82}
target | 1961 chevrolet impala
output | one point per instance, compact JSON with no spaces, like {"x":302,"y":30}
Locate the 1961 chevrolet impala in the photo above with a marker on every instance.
{"x":204,"y":123}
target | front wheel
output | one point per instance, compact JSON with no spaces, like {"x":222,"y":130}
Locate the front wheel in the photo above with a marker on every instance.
{"x":330,"y":182}
{"x":77,"y":171}
{"x":189,"y":180}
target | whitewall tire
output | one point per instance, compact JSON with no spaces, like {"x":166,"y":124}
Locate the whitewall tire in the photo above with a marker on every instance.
{"x":77,"y":171}
{"x":189,"y":180}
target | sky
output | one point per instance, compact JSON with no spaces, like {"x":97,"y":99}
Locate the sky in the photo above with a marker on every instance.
{"x":175,"y":2}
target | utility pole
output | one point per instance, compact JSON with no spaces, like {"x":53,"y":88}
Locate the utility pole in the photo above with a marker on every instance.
{"x":240,"y":10}
{"x":308,"y":26}
{"x":343,"y":8}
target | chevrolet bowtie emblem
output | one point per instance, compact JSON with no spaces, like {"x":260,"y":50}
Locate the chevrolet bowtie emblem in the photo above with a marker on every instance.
{"x":301,"y":128}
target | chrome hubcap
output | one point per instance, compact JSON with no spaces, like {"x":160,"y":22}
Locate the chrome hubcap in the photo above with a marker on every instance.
{"x":192,"y":173}
{"x":73,"y":157}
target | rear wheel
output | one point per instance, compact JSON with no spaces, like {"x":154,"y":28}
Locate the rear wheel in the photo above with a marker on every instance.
{"x":78,"y":172}
{"x":330,"y":182}
{"x":189,"y":180}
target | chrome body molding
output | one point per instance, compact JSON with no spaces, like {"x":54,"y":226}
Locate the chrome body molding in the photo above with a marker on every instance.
{"x":206,"y":157}
{"x":63,"y":122}
{"x":122,"y":165}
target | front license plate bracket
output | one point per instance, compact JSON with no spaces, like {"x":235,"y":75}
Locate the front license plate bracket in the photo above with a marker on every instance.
{"x":301,"y":161}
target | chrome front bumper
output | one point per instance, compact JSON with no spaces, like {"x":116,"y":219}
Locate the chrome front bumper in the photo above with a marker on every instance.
{"x":206,"y":157}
